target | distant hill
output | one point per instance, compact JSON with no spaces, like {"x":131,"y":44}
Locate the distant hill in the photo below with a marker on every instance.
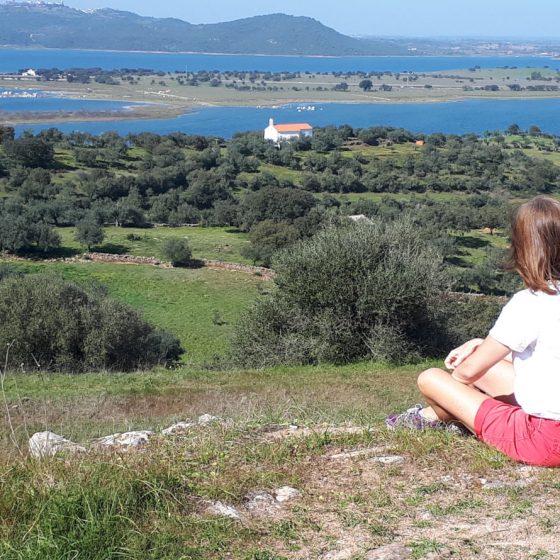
{"x":58,"y":26}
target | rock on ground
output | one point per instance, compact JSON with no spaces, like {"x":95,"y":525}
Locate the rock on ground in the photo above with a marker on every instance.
{"x":48,"y":444}
{"x":261,"y":504}
{"x":389,"y":460}
{"x":286,"y":493}
{"x":206,"y":419}
{"x":128,"y":440}
{"x":219,"y":508}
{"x":178,"y":428}
{"x":359,"y":453}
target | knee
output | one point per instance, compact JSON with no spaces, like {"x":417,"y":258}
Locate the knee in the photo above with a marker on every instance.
{"x":429,"y":378}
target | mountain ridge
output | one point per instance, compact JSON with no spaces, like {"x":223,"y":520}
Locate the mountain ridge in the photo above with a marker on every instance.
{"x":58,"y":26}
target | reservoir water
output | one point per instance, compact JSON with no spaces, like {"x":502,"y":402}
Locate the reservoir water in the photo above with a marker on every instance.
{"x":21,"y":100}
{"x":12,"y":60}
{"x":460,"y":117}
{"x":456,"y":117}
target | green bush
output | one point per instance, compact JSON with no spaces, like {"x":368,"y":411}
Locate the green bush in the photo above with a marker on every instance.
{"x":465,"y":316}
{"x":351,"y":292}
{"x":177,"y":250}
{"x":8,"y":271}
{"x":53,"y":325}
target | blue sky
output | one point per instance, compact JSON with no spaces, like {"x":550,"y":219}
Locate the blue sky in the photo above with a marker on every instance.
{"x":420,"y":18}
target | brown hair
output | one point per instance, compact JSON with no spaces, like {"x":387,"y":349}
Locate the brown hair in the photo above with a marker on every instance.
{"x":536,"y":243}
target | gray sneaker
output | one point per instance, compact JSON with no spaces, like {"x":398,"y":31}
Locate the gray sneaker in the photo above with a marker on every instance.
{"x":413,"y":420}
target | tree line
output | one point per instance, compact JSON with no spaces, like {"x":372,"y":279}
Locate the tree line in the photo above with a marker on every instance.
{"x":278,"y":194}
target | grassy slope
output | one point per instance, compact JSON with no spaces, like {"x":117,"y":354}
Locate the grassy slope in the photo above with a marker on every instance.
{"x":188,"y":302}
{"x":150,"y":505}
{"x":222,"y":244}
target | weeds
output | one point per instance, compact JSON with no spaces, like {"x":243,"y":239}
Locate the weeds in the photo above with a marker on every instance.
{"x":150,"y":505}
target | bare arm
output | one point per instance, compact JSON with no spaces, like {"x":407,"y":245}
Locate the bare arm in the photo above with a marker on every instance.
{"x":484,"y":356}
{"x":458,"y":355}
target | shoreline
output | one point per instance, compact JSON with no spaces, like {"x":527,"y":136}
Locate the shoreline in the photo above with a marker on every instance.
{"x":327,"y":56}
{"x":23,"y":118}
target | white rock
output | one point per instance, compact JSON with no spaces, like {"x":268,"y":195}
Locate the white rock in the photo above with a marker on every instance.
{"x":125,"y":441}
{"x":178,"y":428}
{"x":389,"y":552}
{"x":492,"y":484}
{"x":48,"y":444}
{"x":206,"y":419}
{"x":219,"y":508}
{"x":286,"y":493}
{"x":389,"y":460}
{"x":359,"y":453}
{"x":261,"y":504}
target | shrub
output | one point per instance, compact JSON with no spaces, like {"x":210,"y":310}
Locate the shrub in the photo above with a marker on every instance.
{"x":8,"y":271}
{"x":351,"y":292}
{"x":177,"y":251}
{"x":464,"y":317}
{"x":54,"y":325}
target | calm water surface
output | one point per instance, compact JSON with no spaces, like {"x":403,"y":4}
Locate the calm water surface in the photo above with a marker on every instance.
{"x":12,"y":60}
{"x":452,"y":117}
{"x":456,"y":117}
{"x":46,"y":102}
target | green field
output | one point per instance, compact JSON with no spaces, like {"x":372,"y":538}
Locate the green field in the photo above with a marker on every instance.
{"x":223,"y":244}
{"x":200,"y":306}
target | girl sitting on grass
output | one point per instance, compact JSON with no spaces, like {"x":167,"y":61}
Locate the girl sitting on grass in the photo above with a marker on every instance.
{"x":506,"y":388}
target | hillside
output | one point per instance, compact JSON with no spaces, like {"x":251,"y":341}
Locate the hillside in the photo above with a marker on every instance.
{"x":362,"y":493}
{"x":58,"y":26}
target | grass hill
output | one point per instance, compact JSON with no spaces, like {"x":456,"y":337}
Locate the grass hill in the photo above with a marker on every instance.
{"x":443,"y":497}
{"x":58,"y":26}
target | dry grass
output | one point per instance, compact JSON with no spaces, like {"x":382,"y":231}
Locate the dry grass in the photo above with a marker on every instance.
{"x":452,"y":496}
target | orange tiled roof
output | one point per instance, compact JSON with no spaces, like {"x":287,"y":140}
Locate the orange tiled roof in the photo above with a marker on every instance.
{"x":292,"y":127}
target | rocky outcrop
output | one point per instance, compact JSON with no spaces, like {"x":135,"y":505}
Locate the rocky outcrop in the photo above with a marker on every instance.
{"x":48,"y":444}
{"x":178,"y":428}
{"x":122,"y":442}
{"x":123,"y":259}
{"x":287,"y":493}
{"x":265,"y":273}
{"x":259,"y":504}
{"x":186,"y":425}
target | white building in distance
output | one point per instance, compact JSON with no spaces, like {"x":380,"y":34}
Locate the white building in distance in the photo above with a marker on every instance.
{"x":283,"y":132}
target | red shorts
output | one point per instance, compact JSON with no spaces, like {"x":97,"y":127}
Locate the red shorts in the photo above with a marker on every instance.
{"x":525,"y":438}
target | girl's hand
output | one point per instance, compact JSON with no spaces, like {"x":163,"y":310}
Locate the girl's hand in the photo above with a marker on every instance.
{"x":458,"y":355}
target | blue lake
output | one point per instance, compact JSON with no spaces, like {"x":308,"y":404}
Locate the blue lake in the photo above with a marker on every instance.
{"x":45,"y":103}
{"x":453,"y":117}
{"x":12,"y":60}
{"x":456,"y":117}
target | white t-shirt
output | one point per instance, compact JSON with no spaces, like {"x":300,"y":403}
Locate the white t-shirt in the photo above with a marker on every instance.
{"x":529,"y":325}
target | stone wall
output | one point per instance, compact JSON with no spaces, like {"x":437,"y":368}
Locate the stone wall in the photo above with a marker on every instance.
{"x":265,"y":273}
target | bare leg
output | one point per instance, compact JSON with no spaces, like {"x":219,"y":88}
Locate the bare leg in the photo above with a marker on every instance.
{"x":449,"y":399}
{"x":497,"y":382}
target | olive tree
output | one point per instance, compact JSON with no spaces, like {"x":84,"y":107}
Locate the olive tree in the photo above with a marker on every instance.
{"x":351,"y":292}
